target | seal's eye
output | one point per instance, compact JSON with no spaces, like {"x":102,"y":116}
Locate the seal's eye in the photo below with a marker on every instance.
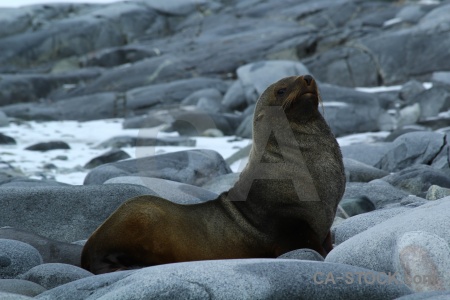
{"x":281,"y":92}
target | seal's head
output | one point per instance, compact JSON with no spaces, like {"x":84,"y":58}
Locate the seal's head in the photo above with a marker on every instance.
{"x":297,"y":95}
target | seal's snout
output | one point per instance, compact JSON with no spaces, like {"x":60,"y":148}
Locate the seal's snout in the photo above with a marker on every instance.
{"x":308,"y":79}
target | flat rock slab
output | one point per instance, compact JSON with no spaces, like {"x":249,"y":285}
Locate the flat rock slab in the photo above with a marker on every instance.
{"x":232,"y":279}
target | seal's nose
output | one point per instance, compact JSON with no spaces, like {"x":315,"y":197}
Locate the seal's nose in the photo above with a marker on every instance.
{"x":308,"y":79}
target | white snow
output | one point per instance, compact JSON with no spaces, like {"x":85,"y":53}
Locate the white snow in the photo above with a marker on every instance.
{"x":83,"y":137}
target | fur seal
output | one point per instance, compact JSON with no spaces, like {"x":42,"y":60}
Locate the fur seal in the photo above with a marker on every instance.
{"x":285,"y":199}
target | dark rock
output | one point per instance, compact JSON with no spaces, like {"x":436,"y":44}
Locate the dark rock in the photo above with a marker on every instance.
{"x":378,"y":192}
{"x":111,"y":156}
{"x":21,"y":256}
{"x":7,"y":140}
{"x":359,"y":172}
{"x":47,"y":146}
{"x":417,"y":179}
{"x":18,"y":289}
{"x":67,"y":213}
{"x":349,"y":207}
{"x":411,"y":149}
{"x":191,"y":167}
{"x":223,"y":279}
{"x":54,"y":274}
{"x":52,"y":251}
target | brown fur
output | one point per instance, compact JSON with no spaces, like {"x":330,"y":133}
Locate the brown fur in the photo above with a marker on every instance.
{"x":261,"y":216}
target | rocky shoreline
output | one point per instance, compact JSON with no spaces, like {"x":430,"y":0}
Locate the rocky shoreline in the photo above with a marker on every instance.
{"x":197,"y":67}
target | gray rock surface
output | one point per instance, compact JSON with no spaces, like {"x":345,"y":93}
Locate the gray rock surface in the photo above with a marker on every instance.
{"x":17,"y":258}
{"x":411,"y":149}
{"x":380,"y":247}
{"x":66,"y":213}
{"x":418,"y":179}
{"x":52,"y":251}
{"x":18,"y":289}
{"x":192,"y":167}
{"x":359,"y":172}
{"x":379,"y":192}
{"x":245,"y":279}
{"x":53,"y":275}
{"x":302,"y":254}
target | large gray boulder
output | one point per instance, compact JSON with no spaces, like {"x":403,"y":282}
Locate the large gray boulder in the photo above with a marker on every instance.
{"x":233,"y":279}
{"x":413,"y":244}
{"x":191,"y":167}
{"x":66,"y":213}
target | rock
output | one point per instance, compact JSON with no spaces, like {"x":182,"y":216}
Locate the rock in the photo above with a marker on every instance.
{"x":131,"y":141}
{"x":211,"y":94}
{"x":54,"y":274}
{"x":171,"y":190}
{"x":359,"y":223}
{"x":349,"y":207}
{"x":228,"y":279}
{"x":359,"y":172}
{"x":349,"y":111}
{"x":234,"y":98}
{"x":396,"y":133}
{"x":48,"y":146}
{"x":26,"y":182}
{"x":7,"y":140}
{"x":378,"y":247}
{"x":256,"y":77}
{"x":191,"y":167}
{"x":245,"y":129}
{"x":378,"y":192}
{"x":433,"y":101}
{"x":178,"y":7}
{"x":417,"y":179}
{"x":221,"y":183}
{"x":369,"y":154}
{"x":441,"y":77}
{"x":52,"y":251}
{"x":433,"y":295}
{"x":411,"y":149}
{"x":302,"y":254}
{"x":18,"y":289}
{"x":409,"y":115}
{"x":410,"y":90}
{"x":412,"y":13}
{"x":17,"y":258}
{"x":112,"y":155}
{"x":4,"y":120}
{"x":66,"y":213}
{"x":194,"y":123}
{"x":421,"y":254}
{"x":240,"y":154}
{"x":413,"y":201}
{"x":436,"y":192}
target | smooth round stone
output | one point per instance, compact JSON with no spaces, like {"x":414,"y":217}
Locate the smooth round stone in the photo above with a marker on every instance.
{"x":17,"y":257}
